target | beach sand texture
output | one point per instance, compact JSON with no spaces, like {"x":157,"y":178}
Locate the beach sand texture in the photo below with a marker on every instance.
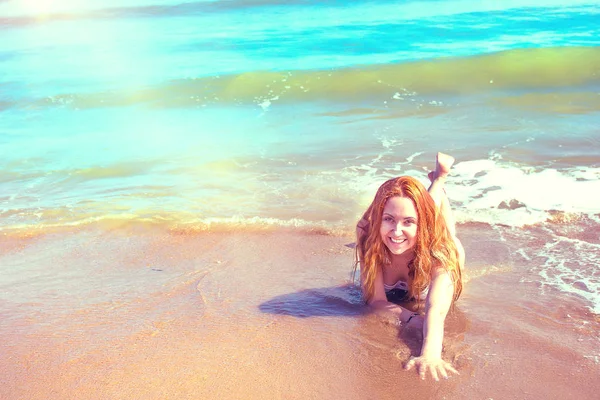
{"x":254,"y":315}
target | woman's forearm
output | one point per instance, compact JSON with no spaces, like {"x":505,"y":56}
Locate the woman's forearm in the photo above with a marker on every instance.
{"x":433,"y":332}
{"x":437,"y":306}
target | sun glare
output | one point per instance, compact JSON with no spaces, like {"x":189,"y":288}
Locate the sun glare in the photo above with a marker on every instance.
{"x":43,"y":7}
{"x":38,"y":6}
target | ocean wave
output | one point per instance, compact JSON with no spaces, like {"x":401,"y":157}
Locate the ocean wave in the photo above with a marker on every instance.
{"x":494,"y":191}
{"x":175,"y":223}
{"x":517,"y":70}
{"x":491,"y":191}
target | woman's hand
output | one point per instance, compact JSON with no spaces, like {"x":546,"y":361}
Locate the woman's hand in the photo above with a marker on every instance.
{"x":435,"y":365}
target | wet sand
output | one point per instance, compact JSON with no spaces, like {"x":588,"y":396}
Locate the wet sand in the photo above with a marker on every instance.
{"x":154,"y":314}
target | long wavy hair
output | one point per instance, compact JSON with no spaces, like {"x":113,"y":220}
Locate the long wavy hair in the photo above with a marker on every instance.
{"x":434,"y":247}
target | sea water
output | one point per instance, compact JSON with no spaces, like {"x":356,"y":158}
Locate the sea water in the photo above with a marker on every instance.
{"x":292,"y":113}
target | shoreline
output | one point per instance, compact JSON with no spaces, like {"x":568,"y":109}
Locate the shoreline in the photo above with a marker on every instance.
{"x":268,"y":315}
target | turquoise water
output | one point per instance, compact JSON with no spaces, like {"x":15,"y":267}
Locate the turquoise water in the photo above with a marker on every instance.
{"x":132,"y":102}
{"x":266,"y":113}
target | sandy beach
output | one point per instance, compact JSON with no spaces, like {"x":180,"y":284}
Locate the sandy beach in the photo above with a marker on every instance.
{"x":154,"y":314}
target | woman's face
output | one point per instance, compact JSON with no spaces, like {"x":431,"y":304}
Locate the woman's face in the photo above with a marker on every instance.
{"x":399,"y":224}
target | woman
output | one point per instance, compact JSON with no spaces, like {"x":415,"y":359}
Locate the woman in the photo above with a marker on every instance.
{"x":408,"y":251}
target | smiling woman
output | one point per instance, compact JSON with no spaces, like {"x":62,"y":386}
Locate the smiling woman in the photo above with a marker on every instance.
{"x":406,"y":241}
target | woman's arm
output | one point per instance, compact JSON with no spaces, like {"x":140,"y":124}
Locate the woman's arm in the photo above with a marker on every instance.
{"x":379,"y":303}
{"x":438,"y":302}
{"x":393,"y":312}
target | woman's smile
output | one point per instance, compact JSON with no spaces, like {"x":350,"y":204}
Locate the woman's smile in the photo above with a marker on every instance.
{"x":399,"y":224}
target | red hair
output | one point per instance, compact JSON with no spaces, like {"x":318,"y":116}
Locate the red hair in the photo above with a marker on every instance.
{"x":434,"y":247}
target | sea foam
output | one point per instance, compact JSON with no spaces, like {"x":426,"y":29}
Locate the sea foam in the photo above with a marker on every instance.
{"x":495,"y":191}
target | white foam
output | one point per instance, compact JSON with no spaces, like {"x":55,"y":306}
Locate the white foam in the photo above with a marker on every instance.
{"x":413,"y":156}
{"x":495,"y":191}
{"x":582,"y":280}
